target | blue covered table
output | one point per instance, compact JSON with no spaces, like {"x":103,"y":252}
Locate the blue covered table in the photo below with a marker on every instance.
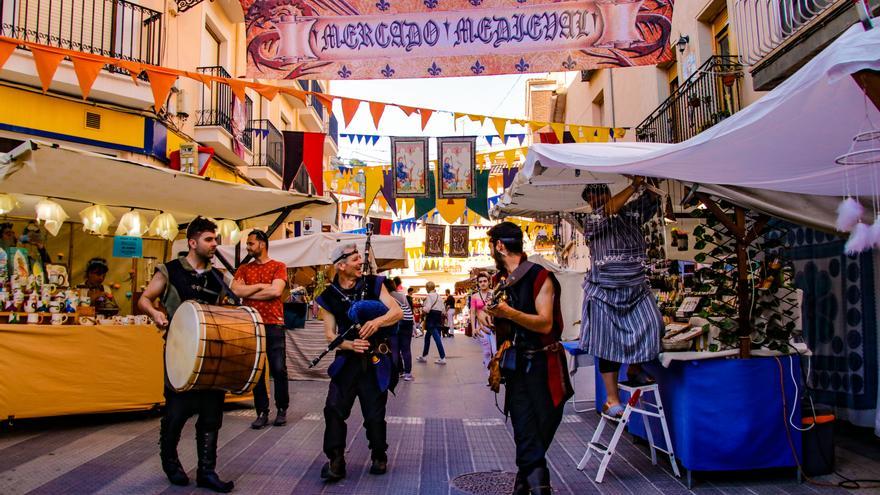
{"x":726,"y":414}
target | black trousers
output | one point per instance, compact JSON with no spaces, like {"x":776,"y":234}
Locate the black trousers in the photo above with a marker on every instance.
{"x":402,"y":345}
{"x":276,"y":358}
{"x":180,"y":406}
{"x":356,"y":379}
{"x":532,"y":414}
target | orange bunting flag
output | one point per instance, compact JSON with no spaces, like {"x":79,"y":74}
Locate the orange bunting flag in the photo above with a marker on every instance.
{"x":426,"y":116}
{"x":160,"y":84}
{"x":376,"y":110}
{"x":134,"y":69}
{"x":266,"y":91}
{"x":6,"y":49}
{"x":238,"y":89}
{"x":299,"y":95}
{"x":198,"y":76}
{"x":47,"y":61}
{"x":324,"y":100}
{"x":349,"y":108}
{"x":407,"y":110}
{"x":87,"y":70}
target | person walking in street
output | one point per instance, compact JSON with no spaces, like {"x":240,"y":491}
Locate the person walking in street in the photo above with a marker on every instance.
{"x":401,"y":345}
{"x":484,"y":335}
{"x":432,"y":309}
{"x":534,"y":364}
{"x":449,"y":304}
{"x":261,"y":284}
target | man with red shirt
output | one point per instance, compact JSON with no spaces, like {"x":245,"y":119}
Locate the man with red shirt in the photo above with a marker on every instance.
{"x":260,"y":283}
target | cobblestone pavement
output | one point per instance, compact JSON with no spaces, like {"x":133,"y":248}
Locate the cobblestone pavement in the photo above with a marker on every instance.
{"x":442,"y":425}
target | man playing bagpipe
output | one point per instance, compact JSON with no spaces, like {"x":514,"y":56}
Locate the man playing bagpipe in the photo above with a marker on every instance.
{"x":364,"y":367}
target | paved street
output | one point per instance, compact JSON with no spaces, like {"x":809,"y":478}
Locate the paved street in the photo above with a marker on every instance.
{"x":441,"y":426}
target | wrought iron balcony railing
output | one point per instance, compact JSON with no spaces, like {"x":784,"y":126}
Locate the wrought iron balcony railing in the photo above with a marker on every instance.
{"x":709,"y":96}
{"x":333,"y":129}
{"x":219,"y":107}
{"x":268,"y":146}
{"x":316,"y":104}
{"x":112,"y":28}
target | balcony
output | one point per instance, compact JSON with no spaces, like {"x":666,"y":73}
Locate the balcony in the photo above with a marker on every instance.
{"x":112,"y":28}
{"x":777,"y":37}
{"x":709,"y":96}
{"x":268,"y":148}
{"x":222,"y":122}
{"x":331,"y":145}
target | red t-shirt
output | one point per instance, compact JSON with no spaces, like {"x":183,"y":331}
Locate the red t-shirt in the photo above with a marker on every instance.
{"x":252,"y":273}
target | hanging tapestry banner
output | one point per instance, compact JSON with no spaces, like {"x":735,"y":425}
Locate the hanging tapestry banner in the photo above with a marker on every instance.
{"x":458,"y":241}
{"x":435,"y":237}
{"x":366,"y":39}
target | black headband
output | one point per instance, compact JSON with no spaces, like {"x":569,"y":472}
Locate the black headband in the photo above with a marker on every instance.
{"x":344,"y":256}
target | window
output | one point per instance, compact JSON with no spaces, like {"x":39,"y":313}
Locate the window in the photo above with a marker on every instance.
{"x":285,"y":123}
{"x":210,"y":48}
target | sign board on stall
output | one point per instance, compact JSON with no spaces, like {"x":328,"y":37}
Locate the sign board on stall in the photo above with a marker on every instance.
{"x":128,"y":247}
{"x":188,"y":158}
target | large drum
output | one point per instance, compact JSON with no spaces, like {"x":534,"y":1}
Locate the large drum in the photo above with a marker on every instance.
{"x":215,"y":348}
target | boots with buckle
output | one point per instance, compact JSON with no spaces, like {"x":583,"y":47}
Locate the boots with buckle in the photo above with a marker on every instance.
{"x":206,"y":477}
{"x":168,"y":454}
{"x":539,"y":481}
{"x":520,"y":485}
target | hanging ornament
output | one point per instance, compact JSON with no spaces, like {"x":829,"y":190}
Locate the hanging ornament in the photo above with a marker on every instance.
{"x":164,"y":226}
{"x":96,"y":219}
{"x":133,"y":224}
{"x":849,"y":212}
{"x":874,"y":233}
{"x":859,"y":240}
{"x":7,"y":203}
{"x":52,"y":214}
{"x":228,"y":231}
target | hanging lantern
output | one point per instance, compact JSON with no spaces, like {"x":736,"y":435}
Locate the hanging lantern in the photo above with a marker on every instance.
{"x":164,"y":226}
{"x":133,"y":224}
{"x":7,"y":203}
{"x":96,"y":219}
{"x":52,"y":214}
{"x":228,"y":231}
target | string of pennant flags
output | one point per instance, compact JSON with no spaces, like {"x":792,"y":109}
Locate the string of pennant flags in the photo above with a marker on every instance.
{"x":88,"y":66}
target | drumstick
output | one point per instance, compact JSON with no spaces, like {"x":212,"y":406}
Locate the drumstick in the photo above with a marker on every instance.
{"x":231,"y":295}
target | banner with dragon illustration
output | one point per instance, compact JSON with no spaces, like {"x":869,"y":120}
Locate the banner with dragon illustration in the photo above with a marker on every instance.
{"x":390,"y":39}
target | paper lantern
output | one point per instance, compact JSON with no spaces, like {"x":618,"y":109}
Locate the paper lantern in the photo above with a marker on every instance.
{"x":228,"y":231}
{"x":7,"y":203}
{"x":164,"y":226}
{"x":97,"y":219}
{"x":133,"y":224}
{"x":51,"y":214}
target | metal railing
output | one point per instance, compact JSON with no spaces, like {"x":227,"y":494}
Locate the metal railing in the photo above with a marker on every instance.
{"x":316,"y":104}
{"x":333,"y":129}
{"x":763,"y":25}
{"x":219,"y":107}
{"x":112,"y":28}
{"x":709,"y":96}
{"x":268,"y":146}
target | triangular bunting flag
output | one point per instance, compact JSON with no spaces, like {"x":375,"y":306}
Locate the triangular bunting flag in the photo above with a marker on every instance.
{"x":510,"y":157}
{"x":376,"y":110}
{"x":373,"y":183}
{"x":451,"y":210}
{"x":299,"y":95}
{"x":324,"y":100}
{"x":6,"y":49}
{"x":508,"y":175}
{"x":500,"y":124}
{"x":374,"y":139}
{"x":407,"y":110}
{"x":238,"y":89}
{"x":349,"y":136}
{"x":489,"y":140}
{"x":426,"y":116}
{"x":603,"y":134}
{"x":47,"y":61}
{"x":198,"y":76}
{"x":349,"y":108}
{"x":537,"y":126}
{"x":388,"y":189}
{"x":87,"y":70}
{"x":477,"y":118}
{"x":559,"y":130}
{"x":266,"y":91}
{"x":160,"y":84}
{"x":619,"y":132}
{"x":496,"y":182}
{"x":313,"y":158}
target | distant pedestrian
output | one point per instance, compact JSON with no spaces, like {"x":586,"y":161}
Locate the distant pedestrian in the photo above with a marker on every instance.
{"x":402,"y":339}
{"x":449,"y":303}
{"x":432,"y":309}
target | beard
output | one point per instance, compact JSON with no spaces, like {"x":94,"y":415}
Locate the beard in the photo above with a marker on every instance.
{"x":499,"y":261}
{"x":207,"y":254}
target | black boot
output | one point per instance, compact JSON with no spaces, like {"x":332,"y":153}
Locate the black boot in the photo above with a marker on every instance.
{"x":281,"y":418}
{"x":379,"y":464}
{"x":539,"y":481}
{"x":261,"y":421}
{"x":168,"y":441}
{"x":520,"y":485}
{"x":334,"y":469}
{"x":206,"y":477}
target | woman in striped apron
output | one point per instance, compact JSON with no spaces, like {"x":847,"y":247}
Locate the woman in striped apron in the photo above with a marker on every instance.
{"x":621,"y":322}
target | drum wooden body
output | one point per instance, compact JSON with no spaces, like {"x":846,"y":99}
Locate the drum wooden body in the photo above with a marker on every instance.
{"x":215,"y":348}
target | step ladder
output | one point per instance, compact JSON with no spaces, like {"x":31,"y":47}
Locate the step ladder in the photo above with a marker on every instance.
{"x":638,"y":404}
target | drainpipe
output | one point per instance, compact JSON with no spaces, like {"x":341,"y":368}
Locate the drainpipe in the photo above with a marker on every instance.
{"x":613,"y":118}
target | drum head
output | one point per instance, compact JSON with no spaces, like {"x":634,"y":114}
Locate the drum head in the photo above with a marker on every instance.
{"x":182,"y":349}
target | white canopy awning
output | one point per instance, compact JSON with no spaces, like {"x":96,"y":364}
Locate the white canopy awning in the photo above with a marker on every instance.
{"x":770,"y":154}
{"x":74,"y":178}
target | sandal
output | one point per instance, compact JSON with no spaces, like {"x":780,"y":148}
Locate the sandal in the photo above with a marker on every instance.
{"x":615,"y":411}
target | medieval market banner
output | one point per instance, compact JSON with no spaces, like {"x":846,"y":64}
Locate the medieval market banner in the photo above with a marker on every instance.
{"x":384,"y":39}
{"x":459,"y":241}
{"x":435,"y":238}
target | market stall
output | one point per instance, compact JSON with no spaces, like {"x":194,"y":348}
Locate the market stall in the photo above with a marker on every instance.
{"x":67,"y":356}
{"x":735,"y":297}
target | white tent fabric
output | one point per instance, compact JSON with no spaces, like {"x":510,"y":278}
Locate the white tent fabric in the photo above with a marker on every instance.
{"x":314,"y":250}
{"x":75,"y":178}
{"x":786,"y":142}
{"x":572,"y":295}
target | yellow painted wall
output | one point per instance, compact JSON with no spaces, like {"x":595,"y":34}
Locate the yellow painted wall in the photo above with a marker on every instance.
{"x":36,"y":111}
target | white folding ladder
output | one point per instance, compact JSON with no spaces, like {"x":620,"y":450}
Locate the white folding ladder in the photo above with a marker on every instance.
{"x":637,"y":403}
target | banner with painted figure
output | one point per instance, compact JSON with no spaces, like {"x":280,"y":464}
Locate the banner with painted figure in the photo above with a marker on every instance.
{"x":385,"y":39}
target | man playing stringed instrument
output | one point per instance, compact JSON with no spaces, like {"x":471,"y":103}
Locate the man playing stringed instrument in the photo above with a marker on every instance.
{"x":530,"y":358}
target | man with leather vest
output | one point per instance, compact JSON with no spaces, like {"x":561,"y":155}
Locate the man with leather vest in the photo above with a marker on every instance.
{"x":364,"y":366}
{"x":188,"y":278}
{"x":533,"y":365}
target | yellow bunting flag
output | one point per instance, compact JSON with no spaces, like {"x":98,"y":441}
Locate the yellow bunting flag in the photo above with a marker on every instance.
{"x":373,"y":183}
{"x":451,"y":210}
{"x":619,"y":132}
{"x":559,"y":130}
{"x":500,"y":125}
{"x":510,"y":158}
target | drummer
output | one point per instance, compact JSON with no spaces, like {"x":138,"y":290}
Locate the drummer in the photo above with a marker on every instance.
{"x":186,"y":278}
